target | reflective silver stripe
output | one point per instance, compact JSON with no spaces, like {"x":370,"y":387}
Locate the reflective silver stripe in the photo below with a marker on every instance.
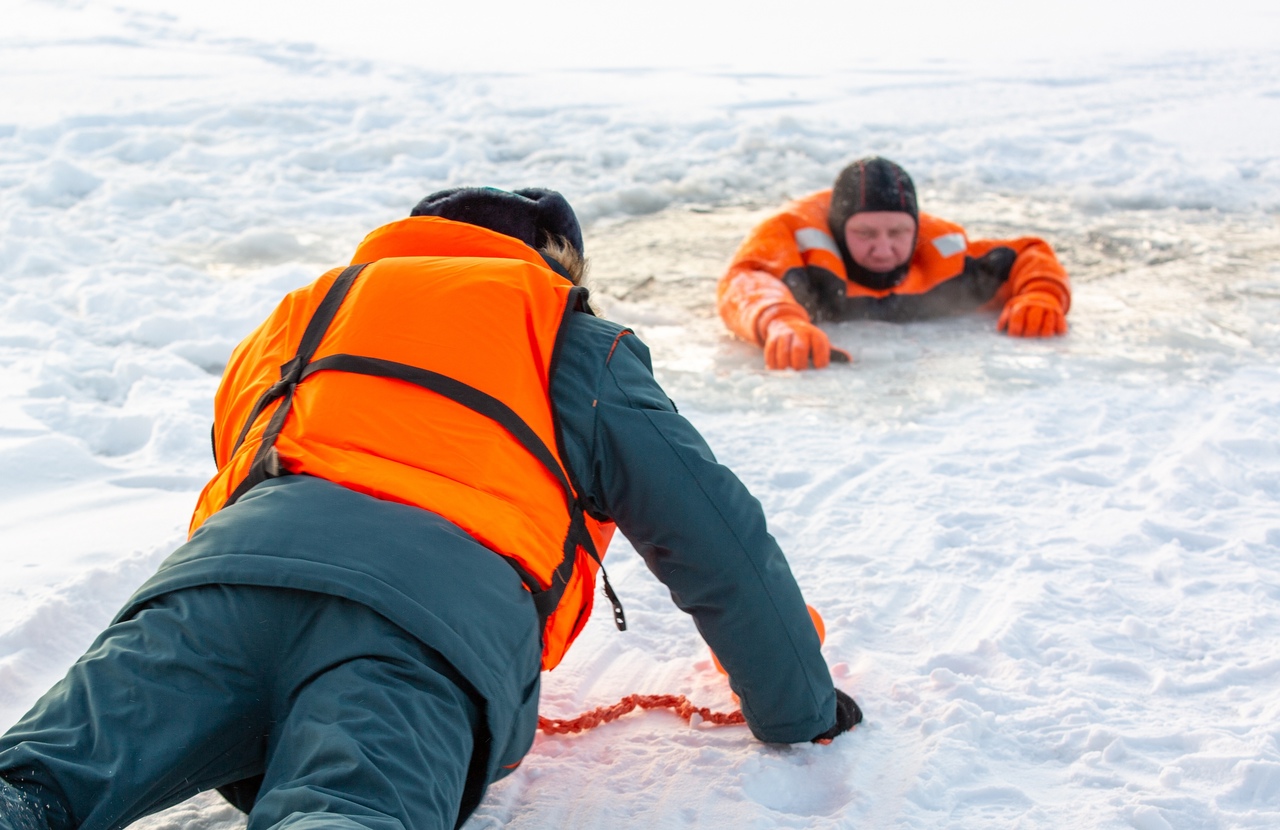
{"x":950,"y":244}
{"x":809,"y":239}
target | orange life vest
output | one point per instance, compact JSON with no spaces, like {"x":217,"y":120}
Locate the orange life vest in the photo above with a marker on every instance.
{"x":423,"y":377}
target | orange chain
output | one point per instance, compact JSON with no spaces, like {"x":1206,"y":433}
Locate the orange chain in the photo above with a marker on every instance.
{"x":678,"y":703}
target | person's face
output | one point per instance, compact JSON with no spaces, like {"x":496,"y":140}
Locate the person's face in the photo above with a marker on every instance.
{"x":880,"y":240}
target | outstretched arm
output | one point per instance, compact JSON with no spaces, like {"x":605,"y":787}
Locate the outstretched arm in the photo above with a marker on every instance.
{"x":1038,"y":293}
{"x":757,"y":305}
{"x":704,"y":536}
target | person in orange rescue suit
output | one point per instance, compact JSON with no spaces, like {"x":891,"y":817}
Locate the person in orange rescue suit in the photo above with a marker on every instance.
{"x":421,"y":458}
{"x":863,"y":251}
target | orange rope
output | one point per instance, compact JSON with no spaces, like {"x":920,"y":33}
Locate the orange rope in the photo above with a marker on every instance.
{"x":678,"y":703}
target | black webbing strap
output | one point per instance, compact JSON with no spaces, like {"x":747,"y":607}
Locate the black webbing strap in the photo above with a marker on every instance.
{"x":619,"y":618}
{"x":546,"y":600}
{"x":291,"y":372}
{"x":455,"y":390}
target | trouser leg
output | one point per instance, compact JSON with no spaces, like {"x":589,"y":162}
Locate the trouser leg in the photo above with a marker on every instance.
{"x":351,"y":721}
{"x":379,"y":734}
{"x":31,"y":807}
{"x":161,"y":706}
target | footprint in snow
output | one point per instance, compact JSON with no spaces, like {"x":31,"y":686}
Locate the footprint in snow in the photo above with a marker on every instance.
{"x":807,"y":786}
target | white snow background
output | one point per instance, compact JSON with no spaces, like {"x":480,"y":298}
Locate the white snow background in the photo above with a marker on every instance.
{"x":1049,"y":570}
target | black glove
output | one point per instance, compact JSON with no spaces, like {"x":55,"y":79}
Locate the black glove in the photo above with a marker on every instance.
{"x":848,"y":715}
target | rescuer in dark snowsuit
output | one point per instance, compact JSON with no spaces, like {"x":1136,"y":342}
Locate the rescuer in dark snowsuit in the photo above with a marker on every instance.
{"x":346,"y":641}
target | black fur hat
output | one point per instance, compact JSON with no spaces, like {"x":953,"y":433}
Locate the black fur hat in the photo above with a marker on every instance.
{"x":531,"y":214}
{"x":871,"y":184}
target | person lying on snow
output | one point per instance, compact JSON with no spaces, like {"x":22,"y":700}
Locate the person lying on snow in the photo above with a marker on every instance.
{"x":863,"y":251}
{"x":420,"y":459}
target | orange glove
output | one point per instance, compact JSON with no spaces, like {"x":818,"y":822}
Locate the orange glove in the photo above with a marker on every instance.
{"x":1033,"y":314}
{"x":792,"y":341}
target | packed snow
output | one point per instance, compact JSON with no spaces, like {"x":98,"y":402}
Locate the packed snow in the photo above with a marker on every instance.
{"x":1049,"y":570}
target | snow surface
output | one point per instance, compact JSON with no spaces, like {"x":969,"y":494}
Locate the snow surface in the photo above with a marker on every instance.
{"x":1049,"y":570}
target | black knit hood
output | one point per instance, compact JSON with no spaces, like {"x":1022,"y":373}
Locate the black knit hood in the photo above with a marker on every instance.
{"x":872,"y":184}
